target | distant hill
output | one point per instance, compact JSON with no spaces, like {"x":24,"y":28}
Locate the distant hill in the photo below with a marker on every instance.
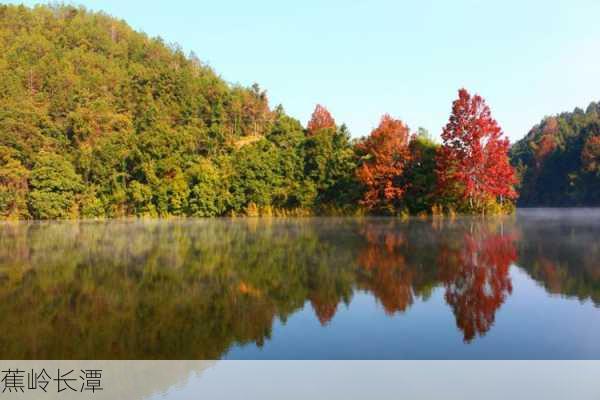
{"x":559,"y":160}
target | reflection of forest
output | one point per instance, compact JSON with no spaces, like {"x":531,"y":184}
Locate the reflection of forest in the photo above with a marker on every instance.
{"x":190,"y":289}
{"x":563,"y":257}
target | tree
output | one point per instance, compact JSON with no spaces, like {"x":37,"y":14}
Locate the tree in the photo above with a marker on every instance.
{"x":421,"y":173}
{"x":544,"y":148}
{"x":320,"y":119}
{"x":13,"y":185}
{"x":473,"y":165}
{"x":330,"y":163}
{"x":209,"y":195}
{"x":54,"y":185}
{"x":590,"y":155}
{"x":385,"y":155}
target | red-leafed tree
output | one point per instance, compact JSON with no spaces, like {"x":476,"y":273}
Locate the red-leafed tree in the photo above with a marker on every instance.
{"x":385,"y":156}
{"x":473,"y":163}
{"x":320,"y":119}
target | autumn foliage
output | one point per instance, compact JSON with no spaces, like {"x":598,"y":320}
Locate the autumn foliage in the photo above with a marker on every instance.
{"x":173,"y":139}
{"x":544,"y":148}
{"x":324,"y":309}
{"x":473,"y":164}
{"x":385,"y":272}
{"x":477,"y":279}
{"x":558,"y":161}
{"x":590,"y":155}
{"x":385,"y":156}
{"x":320,"y":119}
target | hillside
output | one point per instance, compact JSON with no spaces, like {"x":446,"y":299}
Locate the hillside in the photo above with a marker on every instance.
{"x":98,"y":120}
{"x":559,"y":160}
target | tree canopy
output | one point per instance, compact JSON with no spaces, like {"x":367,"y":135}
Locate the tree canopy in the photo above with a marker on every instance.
{"x":99,"y":121}
{"x":473,"y":165}
{"x":386,"y":155}
{"x":558,"y":160}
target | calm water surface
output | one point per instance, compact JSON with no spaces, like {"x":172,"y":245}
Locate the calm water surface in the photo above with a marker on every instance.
{"x":524,"y":287}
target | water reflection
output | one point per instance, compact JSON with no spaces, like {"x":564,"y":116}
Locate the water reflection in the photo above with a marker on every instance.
{"x":191,"y":289}
{"x":474,"y":270}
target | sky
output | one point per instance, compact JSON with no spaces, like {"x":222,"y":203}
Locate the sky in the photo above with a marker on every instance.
{"x":361,"y":59}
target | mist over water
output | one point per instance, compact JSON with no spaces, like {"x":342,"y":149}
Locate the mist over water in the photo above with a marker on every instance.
{"x":518,"y":287}
{"x":572,"y":215}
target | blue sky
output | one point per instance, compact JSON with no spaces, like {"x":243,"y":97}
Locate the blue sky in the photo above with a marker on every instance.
{"x":361,"y":59}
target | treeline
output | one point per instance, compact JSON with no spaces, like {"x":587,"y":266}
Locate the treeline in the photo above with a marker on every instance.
{"x":559,"y":160}
{"x":97,"y":120}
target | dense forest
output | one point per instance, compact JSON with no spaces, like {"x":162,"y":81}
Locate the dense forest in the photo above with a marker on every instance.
{"x":97,"y":120}
{"x":559,"y":160}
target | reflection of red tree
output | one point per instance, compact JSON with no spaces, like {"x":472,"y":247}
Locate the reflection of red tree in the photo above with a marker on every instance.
{"x":477,"y":280}
{"x":386,"y":274}
{"x":324,"y":309}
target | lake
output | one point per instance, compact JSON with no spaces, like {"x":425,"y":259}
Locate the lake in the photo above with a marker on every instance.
{"x":516,"y":287}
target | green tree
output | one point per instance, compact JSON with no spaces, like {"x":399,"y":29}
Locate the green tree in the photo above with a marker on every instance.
{"x":420,"y":173}
{"x":13,"y":185}
{"x":209,"y":195}
{"x":54,"y":187}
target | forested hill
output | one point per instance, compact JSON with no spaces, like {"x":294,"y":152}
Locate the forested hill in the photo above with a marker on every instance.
{"x":559,"y":160}
{"x":99,"y":120}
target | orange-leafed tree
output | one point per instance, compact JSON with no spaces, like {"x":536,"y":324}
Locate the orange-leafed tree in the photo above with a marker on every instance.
{"x":590,"y":155}
{"x":473,"y":165}
{"x":385,"y":154}
{"x":547,"y":143}
{"x":545,"y":147}
{"x":320,"y":119}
